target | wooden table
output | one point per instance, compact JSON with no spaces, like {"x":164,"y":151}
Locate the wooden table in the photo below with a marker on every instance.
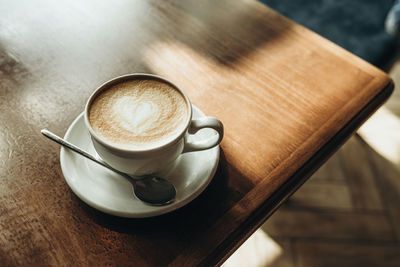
{"x":287,"y":97}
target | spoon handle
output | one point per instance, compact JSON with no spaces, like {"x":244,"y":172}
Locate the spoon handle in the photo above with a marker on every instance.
{"x":67,"y":144}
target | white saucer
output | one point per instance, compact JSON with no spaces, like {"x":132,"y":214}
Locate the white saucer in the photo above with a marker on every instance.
{"x":106,"y":191}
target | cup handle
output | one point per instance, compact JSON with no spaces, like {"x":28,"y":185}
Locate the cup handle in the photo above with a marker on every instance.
{"x":212,"y":141}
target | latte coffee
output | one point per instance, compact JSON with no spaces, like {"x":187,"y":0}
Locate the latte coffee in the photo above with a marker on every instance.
{"x":139,"y":114}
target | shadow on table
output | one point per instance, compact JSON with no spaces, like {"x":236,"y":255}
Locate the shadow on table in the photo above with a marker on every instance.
{"x":218,"y":197}
{"x":225,"y":31}
{"x":169,"y":233}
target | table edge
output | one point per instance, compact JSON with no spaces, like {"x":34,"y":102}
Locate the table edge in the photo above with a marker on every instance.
{"x":290,"y":186}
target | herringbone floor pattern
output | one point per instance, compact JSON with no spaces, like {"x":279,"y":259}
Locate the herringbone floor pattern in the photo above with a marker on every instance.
{"x":347,"y":213}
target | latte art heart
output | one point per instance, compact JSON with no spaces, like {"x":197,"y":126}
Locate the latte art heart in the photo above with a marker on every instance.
{"x":135,"y":116}
{"x":139,"y":114}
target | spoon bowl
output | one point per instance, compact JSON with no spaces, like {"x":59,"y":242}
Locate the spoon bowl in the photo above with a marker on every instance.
{"x":150,"y":189}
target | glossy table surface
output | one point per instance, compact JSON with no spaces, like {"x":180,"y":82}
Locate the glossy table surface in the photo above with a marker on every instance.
{"x":287,"y":97}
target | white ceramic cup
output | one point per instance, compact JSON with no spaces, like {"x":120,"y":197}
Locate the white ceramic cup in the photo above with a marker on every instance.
{"x":142,"y":162}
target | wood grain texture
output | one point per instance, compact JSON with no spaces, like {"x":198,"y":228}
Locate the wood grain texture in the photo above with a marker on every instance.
{"x":286,"y":96}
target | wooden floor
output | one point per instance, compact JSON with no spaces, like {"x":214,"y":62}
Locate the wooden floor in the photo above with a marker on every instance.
{"x":347,"y":213}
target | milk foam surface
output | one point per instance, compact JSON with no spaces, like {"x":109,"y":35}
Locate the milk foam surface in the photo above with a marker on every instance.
{"x":139,"y":114}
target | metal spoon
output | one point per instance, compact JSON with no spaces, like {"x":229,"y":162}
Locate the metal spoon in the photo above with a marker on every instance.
{"x":149,"y":188}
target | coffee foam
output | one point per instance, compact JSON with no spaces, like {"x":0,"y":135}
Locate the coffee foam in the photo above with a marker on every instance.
{"x":139,"y":114}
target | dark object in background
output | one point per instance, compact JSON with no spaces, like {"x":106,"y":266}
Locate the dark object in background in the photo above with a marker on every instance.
{"x":356,"y":25}
{"x":392,"y":23}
